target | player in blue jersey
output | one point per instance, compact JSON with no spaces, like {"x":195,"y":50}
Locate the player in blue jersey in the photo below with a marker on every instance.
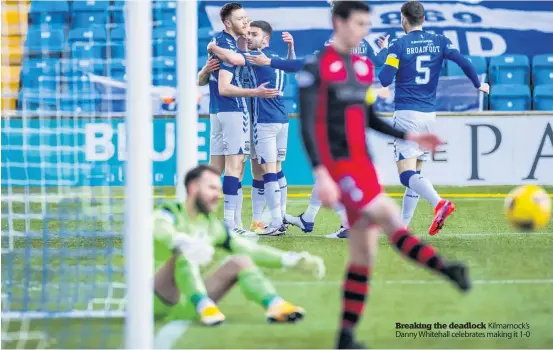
{"x":415,"y":60}
{"x":270,"y":125}
{"x":230,"y":118}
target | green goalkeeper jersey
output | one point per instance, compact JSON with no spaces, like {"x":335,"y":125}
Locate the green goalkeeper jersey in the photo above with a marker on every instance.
{"x":171,"y":220}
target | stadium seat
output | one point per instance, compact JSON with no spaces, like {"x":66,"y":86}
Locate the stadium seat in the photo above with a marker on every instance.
{"x":86,"y":19}
{"x":510,"y":97}
{"x":82,"y":50}
{"x":115,"y":50}
{"x":292,"y":106}
{"x":543,"y":97}
{"x":116,"y":69}
{"x":542,"y":69}
{"x":10,"y":81}
{"x":81,"y":105}
{"x":291,"y":87}
{"x":93,"y":34}
{"x":479,"y":63}
{"x":41,"y":74}
{"x":48,"y":12}
{"x":164,"y":32}
{"x":77,"y":67}
{"x":201,"y":61}
{"x":118,"y":5}
{"x":90,"y":6}
{"x":47,"y":41}
{"x":165,"y":79}
{"x":14,"y":22}
{"x":205,"y":33}
{"x":118,"y":16}
{"x":165,"y":48}
{"x":510,"y":69}
{"x":12,"y":50}
{"x":164,"y":65}
{"x":117,"y":34}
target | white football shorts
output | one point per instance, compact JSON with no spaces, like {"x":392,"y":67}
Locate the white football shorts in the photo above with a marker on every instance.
{"x":412,"y":121}
{"x":230,"y":133}
{"x":270,"y":142}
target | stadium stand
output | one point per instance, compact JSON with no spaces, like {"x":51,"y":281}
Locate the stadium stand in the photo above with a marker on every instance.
{"x":510,"y":97}
{"x":543,"y":97}
{"x":89,"y":37}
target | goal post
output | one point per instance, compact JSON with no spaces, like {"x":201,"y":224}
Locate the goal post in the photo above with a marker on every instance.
{"x":187,"y":90}
{"x":138,"y":247}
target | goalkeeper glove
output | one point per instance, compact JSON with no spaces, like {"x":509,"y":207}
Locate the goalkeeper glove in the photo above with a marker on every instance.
{"x":197,"y":251}
{"x":305,"y":262}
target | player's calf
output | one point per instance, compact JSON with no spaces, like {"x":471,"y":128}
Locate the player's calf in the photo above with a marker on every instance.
{"x":231,"y":186}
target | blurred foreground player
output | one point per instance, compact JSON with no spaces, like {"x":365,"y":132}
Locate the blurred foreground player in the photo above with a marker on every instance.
{"x":415,"y":60}
{"x":185,"y":235}
{"x":334,"y":92}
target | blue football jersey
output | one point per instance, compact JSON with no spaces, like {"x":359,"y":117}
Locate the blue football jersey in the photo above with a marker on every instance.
{"x":366,"y":50}
{"x":218,"y":103}
{"x":418,"y":57}
{"x":270,"y":110}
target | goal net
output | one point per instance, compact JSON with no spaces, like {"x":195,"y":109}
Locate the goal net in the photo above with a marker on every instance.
{"x":63,"y":160}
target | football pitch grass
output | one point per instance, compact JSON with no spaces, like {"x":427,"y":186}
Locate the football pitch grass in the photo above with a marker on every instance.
{"x":512,"y":274}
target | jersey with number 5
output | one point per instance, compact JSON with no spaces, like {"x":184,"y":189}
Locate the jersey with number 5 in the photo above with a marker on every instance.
{"x":418,"y":58}
{"x":270,"y":110}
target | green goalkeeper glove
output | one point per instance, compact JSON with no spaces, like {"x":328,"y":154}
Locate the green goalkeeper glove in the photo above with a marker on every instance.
{"x":305,"y":262}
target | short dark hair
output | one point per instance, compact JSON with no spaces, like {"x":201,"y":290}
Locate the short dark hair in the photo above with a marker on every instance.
{"x":196,"y":172}
{"x":227,"y":9}
{"x":413,"y":11}
{"x":264,"y":26}
{"x":344,"y":9}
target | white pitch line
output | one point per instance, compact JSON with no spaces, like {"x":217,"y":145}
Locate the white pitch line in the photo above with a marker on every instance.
{"x":168,"y":335}
{"x":440,"y":236}
{"x":417,"y":282}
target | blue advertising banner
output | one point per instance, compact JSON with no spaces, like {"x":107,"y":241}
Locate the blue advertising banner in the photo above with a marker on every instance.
{"x":84,"y":152}
{"x":480,"y":28}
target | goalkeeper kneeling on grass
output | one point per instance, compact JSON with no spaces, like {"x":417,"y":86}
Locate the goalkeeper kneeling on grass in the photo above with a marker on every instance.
{"x":185,"y":235}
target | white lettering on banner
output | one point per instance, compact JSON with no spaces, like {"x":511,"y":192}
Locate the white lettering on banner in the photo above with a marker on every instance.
{"x":481,"y":150}
{"x":98,"y":145}
{"x":474,"y":42}
{"x":440,"y":15}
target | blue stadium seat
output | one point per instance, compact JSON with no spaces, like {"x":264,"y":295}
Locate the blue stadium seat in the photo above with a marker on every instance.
{"x":543,"y":97}
{"x":45,"y":40}
{"x":81,"y":105}
{"x":164,"y":65}
{"x":164,"y":32}
{"x":510,"y":97}
{"x":510,"y":69}
{"x":77,"y":67}
{"x":32,"y":69}
{"x":201,"y":61}
{"x":118,"y":33}
{"x":542,"y":69}
{"x":165,"y":48}
{"x":48,"y":12}
{"x":80,"y":86}
{"x":116,"y":69}
{"x":118,"y":16}
{"x":478,"y":62}
{"x":115,"y":50}
{"x":205,"y":33}
{"x":118,"y":5}
{"x":90,"y":6}
{"x":38,"y":100}
{"x":165,"y":11}
{"x":292,"y":106}
{"x":291,"y":87}
{"x":87,"y":51}
{"x":165,"y":79}
{"x":86,"y":19}
{"x":92,"y":34}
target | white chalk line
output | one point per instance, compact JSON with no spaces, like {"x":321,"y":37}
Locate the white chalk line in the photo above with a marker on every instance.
{"x":439,"y":236}
{"x":167,"y":336}
{"x":420,"y":282}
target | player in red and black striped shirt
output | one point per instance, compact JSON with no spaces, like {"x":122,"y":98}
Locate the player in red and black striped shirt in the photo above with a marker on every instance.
{"x":335,"y":109}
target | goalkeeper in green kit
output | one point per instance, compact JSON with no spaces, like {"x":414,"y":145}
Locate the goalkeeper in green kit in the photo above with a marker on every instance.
{"x":185,"y":237}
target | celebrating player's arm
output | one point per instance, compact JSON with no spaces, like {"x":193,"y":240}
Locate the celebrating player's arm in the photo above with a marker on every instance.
{"x":289,"y":40}
{"x":212,"y":64}
{"x":181,"y":292}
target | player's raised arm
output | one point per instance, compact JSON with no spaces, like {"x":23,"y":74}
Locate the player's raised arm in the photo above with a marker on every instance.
{"x":391,"y":65}
{"x":226,"y":88}
{"x":226,"y":54}
{"x":452,"y":54}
